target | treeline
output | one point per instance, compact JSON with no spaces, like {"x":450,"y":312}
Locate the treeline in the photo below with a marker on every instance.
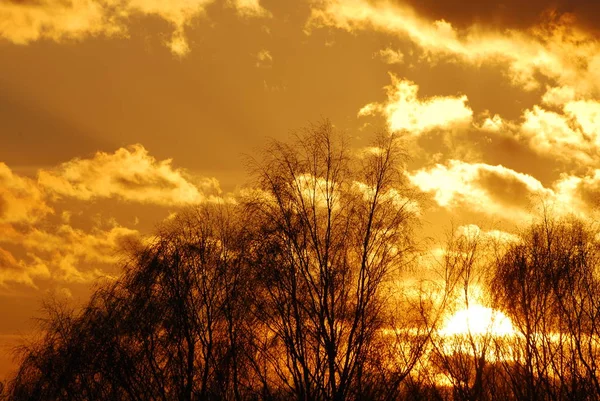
{"x":308,"y":287}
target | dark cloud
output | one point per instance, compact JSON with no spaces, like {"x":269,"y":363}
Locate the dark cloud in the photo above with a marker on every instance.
{"x":505,"y":14}
{"x":138,"y":181}
{"x":589,"y":191}
{"x":3,"y":205}
{"x":7,"y":261}
{"x":506,"y":189}
{"x":25,"y":2}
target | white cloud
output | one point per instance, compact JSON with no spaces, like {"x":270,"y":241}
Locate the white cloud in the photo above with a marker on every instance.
{"x":493,"y":124}
{"x":572,"y":135}
{"x":478,"y":187}
{"x":249,"y":8}
{"x":404,"y":111}
{"x":579,"y":195}
{"x":558,"y":96}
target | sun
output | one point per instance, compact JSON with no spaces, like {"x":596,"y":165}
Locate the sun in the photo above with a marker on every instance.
{"x":478,"y":320}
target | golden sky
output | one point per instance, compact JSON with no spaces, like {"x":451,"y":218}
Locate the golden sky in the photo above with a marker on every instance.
{"x":116,"y":113}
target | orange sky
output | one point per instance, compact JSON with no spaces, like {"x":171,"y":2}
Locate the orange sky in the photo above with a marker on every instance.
{"x":116,"y":113}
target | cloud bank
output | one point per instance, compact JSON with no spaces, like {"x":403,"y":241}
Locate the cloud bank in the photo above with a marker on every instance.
{"x":129,"y":174}
{"x":23,"y":22}
{"x":35,"y":248}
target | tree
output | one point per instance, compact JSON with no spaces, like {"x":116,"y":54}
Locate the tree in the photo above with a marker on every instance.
{"x":174,"y":327}
{"x":549,"y":285}
{"x":333,"y":228}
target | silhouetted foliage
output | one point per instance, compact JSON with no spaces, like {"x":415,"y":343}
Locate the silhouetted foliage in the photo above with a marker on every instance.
{"x":172,"y":327}
{"x":334,"y":229}
{"x":548,"y":283}
{"x":298,"y":290}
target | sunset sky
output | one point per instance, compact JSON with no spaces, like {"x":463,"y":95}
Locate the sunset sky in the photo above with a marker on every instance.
{"x":114,"y":114}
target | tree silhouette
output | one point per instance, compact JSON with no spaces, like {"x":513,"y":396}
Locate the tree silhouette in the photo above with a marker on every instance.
{"x":172,"y":327}
{"x":299,"y":289}
{"x":334,"y":229}
{"x":548,"y":283}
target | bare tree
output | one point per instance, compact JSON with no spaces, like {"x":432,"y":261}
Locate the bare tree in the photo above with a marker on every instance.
{"x":174,"y":327}
{"x":335,"y":227}
{"x":548,"y":283}
{"x":308,"y":286}
{"x":462,"y":357}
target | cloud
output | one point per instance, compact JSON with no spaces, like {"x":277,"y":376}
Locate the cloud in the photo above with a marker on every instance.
{"x":587,"y":114}
{"x":129,"y":174}
{"x":556,"y":49}
{"x":13,"y":270}
{"x":503,"y":14}
{"x":572,"y":135}
{"x":40,"y":244}
{"x":61,"y":253}
{"x":493,"y":235}
{"x":390,"y":56}
{"x":22,"y":22}
{"x":397,"y":199}
{"x":493,"y":124}
{"x":498,"y":191}
{"x":580,"y":194}
{"x":264,"y":59}
{"x":552,"y":133}
{"x":482,"y":188}
{"x":404,"y":111}
{"x":557,"y":96}
{"x":553,"y":52}
{"x":20,"y":198}
{"x":564,"y":128}
{"x":249,"y":8}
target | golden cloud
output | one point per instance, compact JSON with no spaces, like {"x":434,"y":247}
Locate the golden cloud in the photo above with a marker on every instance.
{"x":129,"y":174}
{"x":579,"y":195}
{"x":404,"y":111}
{"x":573,"y":135}
{"x":20,"y":198}
{"x":552,"y":133}
{"x":31,"y":249}
{"x":390,"y":56}
{"x":482,"y":188}
{"x":264,"y":59}
{"x":13,"y":270}
{"x":22,"y":22}
{"x":556,"y":53}
{"x":587,"y":115}
{"x":492,"y":235}
{"x":34,"y":248}
{"x":557,"y":96}
{"x":64,"y":254}
{"x":494,"y":123}
{"x":557,"y":49}
{"x":249,"y":8}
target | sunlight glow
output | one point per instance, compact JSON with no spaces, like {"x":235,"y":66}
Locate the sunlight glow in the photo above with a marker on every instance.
{"x":478,"y":320}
